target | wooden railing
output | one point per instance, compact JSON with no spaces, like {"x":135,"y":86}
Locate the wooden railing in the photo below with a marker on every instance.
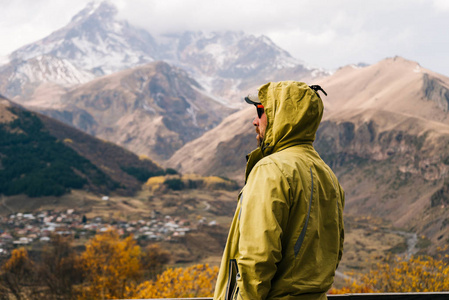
{"x":366,"y":296}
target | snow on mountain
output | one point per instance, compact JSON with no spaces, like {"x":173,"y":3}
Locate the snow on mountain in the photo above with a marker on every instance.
{"x":3,"y":60}
{"x":20,"y":78}
{"x":152,"y":109}
{"x":228,"y":63}
{"x":95,"y":41}
{"x":50,"y":69}
{"x":227,"y":54}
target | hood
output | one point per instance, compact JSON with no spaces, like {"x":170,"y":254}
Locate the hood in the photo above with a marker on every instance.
{"x":294,"y":112}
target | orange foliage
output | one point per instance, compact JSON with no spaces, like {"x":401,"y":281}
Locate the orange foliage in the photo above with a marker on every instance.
{"x":353,"y":287}
{"x":16,"y":273}
{"x":113,"y":268}
{"x":153,"y":260}
{"x":19,"y":258}
{"x":194,"y":281}
{"x":110,"y":264}
{"x":418,"y":274}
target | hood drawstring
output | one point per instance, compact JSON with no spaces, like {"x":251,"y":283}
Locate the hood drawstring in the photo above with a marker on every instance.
{"x":317,"y":88}
{"x":265,"y":146}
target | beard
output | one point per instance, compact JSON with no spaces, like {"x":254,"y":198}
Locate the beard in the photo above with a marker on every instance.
{"x":260,"y":137}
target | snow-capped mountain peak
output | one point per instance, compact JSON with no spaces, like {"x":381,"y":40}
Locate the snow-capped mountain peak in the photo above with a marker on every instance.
{"x":95,"y":9}
{"x":95,"y":41}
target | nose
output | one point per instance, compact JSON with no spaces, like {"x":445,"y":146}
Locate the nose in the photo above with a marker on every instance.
{"x":256,"y":122}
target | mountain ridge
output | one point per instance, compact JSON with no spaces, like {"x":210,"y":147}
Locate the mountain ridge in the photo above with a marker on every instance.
{"x":372,"y":87}
{"x":97,"y":43}
{"x":92,"y":37}
{"x":152,"y":109}
{"x":41,"y":156}
{"x":385,"y":139}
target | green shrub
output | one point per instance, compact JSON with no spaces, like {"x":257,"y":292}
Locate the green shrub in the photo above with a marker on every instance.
{"x":170,"y":171}
{"x":142,"y":174}
{"x":174,"y":184}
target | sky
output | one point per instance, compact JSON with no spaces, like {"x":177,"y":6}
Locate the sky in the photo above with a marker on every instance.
{"x":321,"y":33}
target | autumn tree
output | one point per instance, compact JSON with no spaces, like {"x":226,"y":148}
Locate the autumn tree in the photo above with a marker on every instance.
{"x":109,"y":264}
{"x":194,"y":281}
{"x":417,"y":274}
{"x":59,"y":269}
{"x":17,"y":274}
{"x":153,"y":260}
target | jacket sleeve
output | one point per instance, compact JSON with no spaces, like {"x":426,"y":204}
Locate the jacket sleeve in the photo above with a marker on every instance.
{"x":264,"y":214}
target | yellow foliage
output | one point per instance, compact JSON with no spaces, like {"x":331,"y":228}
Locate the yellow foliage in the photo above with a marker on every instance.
{"x":110,"y":264}
{"x":195,"y":281}
{"x":155,"y":183}
{"x":192,"y":181}
{"x":214,"y":179}
{"x":443,"y":249}
{"x":155,"y":180}
{"x":351,"y":288}
{"x":15,"y":274}
{"x":69,"y":141}
{"x":153,"y":260}
{"x":144,"y":157}
{"x":191,"y":177}
{"x":418,"y":274}
{"x":206,"y":180}
{"x":19,"y":258}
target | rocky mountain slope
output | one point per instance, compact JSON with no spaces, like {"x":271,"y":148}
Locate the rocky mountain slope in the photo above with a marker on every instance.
{"x":394,"y":84}
{"x":93,"y":44}
{"x":391,"y":172}
{"x":97,"y":43}
{"x":42,"y":157}
{"x":156,"y":108}
{"x":228,"y":64}
{"x":153,"y":109}
{"x":385,"y":132}
{"x":220,"y":151}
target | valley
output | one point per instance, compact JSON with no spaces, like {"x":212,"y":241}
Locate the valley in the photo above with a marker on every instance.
{"x":191,"y":224}
{"x":105,"y":126}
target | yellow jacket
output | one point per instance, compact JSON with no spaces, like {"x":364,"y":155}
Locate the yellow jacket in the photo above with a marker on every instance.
{"x":286,"y":238}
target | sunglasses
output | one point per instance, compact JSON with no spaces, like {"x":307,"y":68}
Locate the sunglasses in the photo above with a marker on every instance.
{"x":260,"y":110}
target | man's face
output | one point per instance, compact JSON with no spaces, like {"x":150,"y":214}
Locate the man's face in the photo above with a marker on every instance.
{"x":261,"y":126}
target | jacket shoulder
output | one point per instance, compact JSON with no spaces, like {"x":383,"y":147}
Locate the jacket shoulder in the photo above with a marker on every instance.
{"x":290,"y":159}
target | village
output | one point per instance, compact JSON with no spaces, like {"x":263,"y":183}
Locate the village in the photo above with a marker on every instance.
{"x":36,"y":229}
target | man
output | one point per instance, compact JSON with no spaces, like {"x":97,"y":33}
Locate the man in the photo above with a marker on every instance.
{"x":286,"y":238}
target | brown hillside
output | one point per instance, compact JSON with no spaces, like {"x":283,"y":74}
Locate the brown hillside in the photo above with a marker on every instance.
{"x":394,"y":84}
{"x":394,"y":91}
{"x":385,"y":132}
{"x":6,"y":115}
{"x":220,"y":151}
{"x":153,"y":109}
{"x":111,"y":159}
{"x":107,"y":156}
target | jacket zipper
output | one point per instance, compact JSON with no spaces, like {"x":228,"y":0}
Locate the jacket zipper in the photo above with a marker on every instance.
{"x":302,"y":235}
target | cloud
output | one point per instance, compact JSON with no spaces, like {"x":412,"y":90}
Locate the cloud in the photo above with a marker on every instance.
{"x":25,"y":21}
{"x":323,"y":33}
{"x":166,"y":16}
{"x":326,"y":33}
{"x":441,"y":5}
